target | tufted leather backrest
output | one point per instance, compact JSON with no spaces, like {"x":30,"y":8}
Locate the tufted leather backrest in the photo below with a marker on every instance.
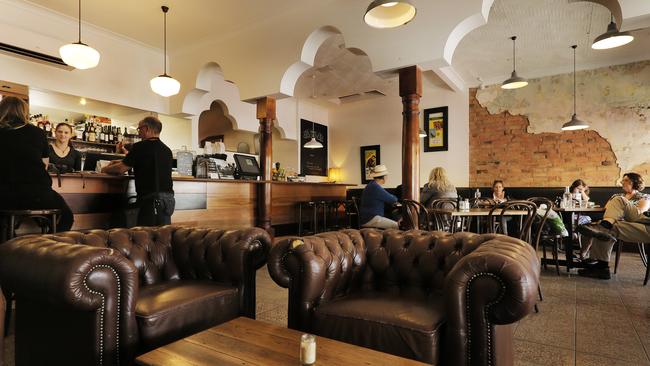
{"x":148,"y":248}
{"x":413,"y":262}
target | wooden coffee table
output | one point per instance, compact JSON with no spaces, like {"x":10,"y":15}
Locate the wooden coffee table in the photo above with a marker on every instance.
{"x":245,"y":341}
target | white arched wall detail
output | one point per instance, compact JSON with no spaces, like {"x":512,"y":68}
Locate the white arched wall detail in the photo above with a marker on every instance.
{"x":211,"y":86}
{"x":445,"y":71}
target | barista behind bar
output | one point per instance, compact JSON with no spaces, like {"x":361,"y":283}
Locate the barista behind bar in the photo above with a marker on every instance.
{"x":151,"y":161}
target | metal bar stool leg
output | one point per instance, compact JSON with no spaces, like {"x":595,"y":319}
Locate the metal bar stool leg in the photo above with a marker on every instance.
{"x":299,"y":218}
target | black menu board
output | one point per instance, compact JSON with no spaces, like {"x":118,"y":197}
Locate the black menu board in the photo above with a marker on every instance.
{"x":313,"y":161}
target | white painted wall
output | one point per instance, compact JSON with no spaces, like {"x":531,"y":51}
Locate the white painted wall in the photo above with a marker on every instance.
{"x":176,"y":132}
{"x":379,"y":122}
{"x":124,"y":70}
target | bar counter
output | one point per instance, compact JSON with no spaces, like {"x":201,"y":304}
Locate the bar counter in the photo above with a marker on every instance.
{"x":200,"y":202}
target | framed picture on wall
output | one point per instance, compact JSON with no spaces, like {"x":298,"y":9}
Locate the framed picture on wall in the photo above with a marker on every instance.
{"x":370,"y":156}
{"x":436,"y":126}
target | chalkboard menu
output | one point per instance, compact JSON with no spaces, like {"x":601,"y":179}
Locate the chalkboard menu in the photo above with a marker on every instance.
{"x":313,"y":161}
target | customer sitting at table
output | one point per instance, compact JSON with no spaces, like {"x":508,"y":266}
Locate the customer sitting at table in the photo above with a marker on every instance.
{"x":438,"y":186}
{"x":63,"y":156}
{"x":373,"y":199}
{"x":498,"y":191}
{"x":623,"y":220}
{"x":24,"y":156}
{"x":579,"y":187}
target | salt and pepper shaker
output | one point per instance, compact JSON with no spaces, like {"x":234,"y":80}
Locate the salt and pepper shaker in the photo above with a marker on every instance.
{"x":307,"y":349}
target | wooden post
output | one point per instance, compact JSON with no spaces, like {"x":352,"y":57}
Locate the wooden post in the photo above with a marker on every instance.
{"x":410,"y":89}
{"x":266,"y":115}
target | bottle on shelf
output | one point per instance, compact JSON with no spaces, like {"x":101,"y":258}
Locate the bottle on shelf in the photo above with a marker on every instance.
{"x":120,"y":137}
{"x":92,"y":134}
{"x":477,"y":194}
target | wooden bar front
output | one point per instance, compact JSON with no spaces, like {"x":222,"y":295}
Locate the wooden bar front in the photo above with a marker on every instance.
{"x":229,"y":204}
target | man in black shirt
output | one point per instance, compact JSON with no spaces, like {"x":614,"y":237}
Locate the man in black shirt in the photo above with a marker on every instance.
{"x":151,"y":161}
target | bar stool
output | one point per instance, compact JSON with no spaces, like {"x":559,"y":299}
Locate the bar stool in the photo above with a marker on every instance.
{"x":11,"y":220}
{"x":313,"y":215}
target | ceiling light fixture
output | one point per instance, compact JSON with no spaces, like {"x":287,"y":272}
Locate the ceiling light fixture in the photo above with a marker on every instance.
{"x":612,"y":38}
{"x":574,"y":123}
{"x":421,"y":133}
{"x":79,"y":55}
{"x":164,"y":84}
{"x":389,"y":13}
{"x":515,"y":81}
{"x":313,"y":143}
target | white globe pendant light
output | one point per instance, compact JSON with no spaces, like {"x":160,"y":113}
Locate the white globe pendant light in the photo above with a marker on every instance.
{"x":164,"y":84}
{"x":574,"y":123}
{"x":79,"y":55}
{"x":389,"y":13}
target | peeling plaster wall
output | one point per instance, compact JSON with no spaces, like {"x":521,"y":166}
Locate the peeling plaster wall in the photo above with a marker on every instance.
{"x":615,"y":101}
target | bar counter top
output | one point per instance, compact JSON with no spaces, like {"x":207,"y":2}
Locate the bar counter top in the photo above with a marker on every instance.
{"x":228,"y":204}
{"x":92,"y":175}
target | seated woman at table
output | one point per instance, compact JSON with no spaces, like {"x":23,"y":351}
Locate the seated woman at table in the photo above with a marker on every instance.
{"x":63,"y":156}
{"x":438,"y":186}
{"x":626,"y":218}
{"x":373,"y":199}
{"x":498,"y":191}
{"x":580,"y":187}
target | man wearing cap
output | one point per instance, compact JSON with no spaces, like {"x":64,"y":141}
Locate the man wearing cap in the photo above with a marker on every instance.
{"x":373,"y":200}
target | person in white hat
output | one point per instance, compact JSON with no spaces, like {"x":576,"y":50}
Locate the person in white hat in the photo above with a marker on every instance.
{"x":373,"y":200}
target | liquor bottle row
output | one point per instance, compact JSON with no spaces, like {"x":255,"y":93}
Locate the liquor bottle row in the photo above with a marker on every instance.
{"x":94,"y":132}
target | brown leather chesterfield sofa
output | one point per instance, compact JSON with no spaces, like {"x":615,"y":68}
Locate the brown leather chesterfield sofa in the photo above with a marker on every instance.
{"x":444,"y":299}
{"x":103,"y":297}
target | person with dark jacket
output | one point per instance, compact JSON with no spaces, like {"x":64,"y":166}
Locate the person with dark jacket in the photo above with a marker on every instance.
{"x":24,"y":156}
{"x":373,"y":199}
{"x":151,"y":161}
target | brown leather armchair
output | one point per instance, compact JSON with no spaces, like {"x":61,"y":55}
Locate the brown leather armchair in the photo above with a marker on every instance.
{"x":102,"y":297}
{"x":445,"y":299}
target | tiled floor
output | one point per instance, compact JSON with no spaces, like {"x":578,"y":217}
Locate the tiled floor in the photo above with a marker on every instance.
{"x":582,"y":322}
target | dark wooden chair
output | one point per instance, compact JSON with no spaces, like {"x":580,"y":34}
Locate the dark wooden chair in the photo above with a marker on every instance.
{"x":443,"y":221}
{"x":498,"y":216}
{"x":544,"y":236}
{"x":415,"y":216}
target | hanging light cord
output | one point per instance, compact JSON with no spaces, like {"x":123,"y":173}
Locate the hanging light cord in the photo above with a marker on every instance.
{"x":574,"y":77}
{"x":514,"y":60}
{"x":79,"y":21}
{"x":165,"y":39}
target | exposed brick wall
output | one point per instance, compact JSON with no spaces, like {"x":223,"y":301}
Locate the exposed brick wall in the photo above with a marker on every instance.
{"x":500,"y":148}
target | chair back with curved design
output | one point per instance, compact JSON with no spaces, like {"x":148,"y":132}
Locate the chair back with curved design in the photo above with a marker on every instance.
{"x":539,"y":201}
{"x":415,"y":215}
{"x":443,"y":221}
{"x":500,"y":212}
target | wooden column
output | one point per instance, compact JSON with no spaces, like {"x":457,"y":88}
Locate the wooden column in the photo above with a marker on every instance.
{"x":410,"y":89}
{"x":266,"y":115}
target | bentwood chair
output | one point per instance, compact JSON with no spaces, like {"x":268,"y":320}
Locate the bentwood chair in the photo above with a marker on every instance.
{"x":415,"y":216}
{"x":443,"y":221}
{"x":480,"y":202}
{"x":543,"y":235}
{"x":498,"y":215}
{"x":643,"y":253}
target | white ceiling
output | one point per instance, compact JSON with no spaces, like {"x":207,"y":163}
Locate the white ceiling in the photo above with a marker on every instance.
{"x":545,"y":30}
{"x":187,"y":20}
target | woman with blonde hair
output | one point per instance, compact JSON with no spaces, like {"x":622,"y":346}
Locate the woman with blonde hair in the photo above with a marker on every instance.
{"x":438,"y":186}
{"x":24,"y":156}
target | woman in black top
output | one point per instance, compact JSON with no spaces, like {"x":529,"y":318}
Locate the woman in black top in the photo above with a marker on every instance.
{"x":62,"y":155}
{"x":24,"y":155}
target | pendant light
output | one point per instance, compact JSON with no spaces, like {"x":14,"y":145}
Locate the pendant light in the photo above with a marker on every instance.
{"x":313,"y":143}
{"x":421,"y":133}
{"x":612,"y":38}
{"x":574,"y":123}
{"x":389,"y":13}
{"x":79,"y":55}
{"x":515,"y":81}
{"x":164,"y":84}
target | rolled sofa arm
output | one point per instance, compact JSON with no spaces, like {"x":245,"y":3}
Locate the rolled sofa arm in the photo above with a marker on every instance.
{"x":315,"y":269}
{"x":72,"y":279}
{"x":223,"y":256}
{"x":496,"y":284}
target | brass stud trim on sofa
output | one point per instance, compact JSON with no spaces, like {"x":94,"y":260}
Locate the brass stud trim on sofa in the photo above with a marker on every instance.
{"x":485,"y":314}
{"x":101,"y":313}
